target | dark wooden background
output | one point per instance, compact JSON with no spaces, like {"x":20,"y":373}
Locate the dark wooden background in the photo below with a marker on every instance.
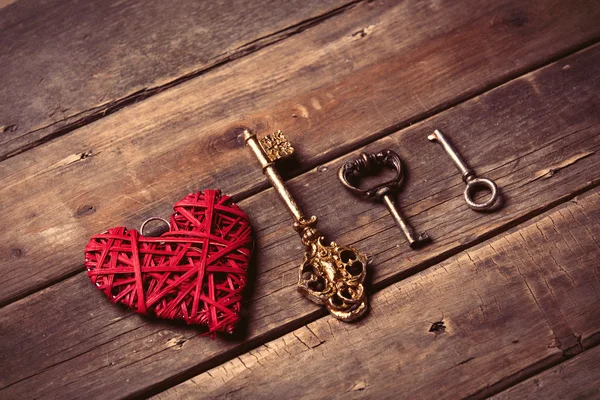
{"x":110,"y":111}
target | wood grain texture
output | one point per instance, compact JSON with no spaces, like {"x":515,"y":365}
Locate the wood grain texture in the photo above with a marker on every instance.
{"x":65,"y":63}
{"x":491,"y":301}
{"x":368,"y":71}
{"x":577,"y":378}
{"x":551,"y":114}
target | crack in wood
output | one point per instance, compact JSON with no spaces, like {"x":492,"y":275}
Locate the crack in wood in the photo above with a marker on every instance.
{"x":549,"y":172}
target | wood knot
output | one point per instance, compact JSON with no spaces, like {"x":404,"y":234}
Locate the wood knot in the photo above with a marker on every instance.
{"x":236,"y":134}
{"x":9,"y":128}
{"x":84,"y":210}
{"x":516,"y":18}
{"x":16,"y":252}
{"x":437,"y":327}
{"x":363,"y":32}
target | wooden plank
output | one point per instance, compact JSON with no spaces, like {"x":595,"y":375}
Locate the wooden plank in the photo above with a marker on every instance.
{"x":327,"y":87}
{"x":551,"y":115}
{"x":577,"y":378}
{"x":67,"y":63}
{"x":496,"y":325}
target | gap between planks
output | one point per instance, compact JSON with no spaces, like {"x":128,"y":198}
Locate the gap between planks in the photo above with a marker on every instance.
{"x":59,"y":128}
{"x":386,"y":131}
{"x":574,"y":378}
{"x":394,"y":128}
{"x":502,"y":389}
{"x":545,"y":81}
{"x":505,"y":302}
{"x":496,"y":388}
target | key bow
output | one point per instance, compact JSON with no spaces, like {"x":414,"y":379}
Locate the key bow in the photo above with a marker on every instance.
{"x":333,"y":275}
{"x":369,"y":164}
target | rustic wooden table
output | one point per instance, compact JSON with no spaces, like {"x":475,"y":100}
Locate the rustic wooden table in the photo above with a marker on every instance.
{"x":110,"y":111}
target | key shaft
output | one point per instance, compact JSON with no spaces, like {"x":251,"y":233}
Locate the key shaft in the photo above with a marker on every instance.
{"x":438,"y":136}
{"x":468,"y":175}
{"x":273,"y":176}
{"x":414,"y":241}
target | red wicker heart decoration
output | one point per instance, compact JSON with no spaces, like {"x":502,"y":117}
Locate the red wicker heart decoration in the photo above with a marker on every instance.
{"x":195,"y":272}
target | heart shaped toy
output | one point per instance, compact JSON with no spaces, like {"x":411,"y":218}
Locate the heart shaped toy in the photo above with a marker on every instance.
{"x":195,"y":272}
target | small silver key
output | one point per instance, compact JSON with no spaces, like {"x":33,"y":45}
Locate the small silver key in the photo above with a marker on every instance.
{"x":370,"y":164}
{"x":468,"y":175}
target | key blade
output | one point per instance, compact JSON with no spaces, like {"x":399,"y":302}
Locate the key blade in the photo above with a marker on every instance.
{"x":413,"y":240}
{"x":276,"y":146}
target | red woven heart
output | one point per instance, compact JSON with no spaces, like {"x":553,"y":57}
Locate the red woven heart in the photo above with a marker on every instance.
{"x":195,"y":272}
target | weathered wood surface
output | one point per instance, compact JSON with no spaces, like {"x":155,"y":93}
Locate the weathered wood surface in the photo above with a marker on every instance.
{"x":578,"y":378}
{"x":500,"y":303}
{"x":372,"y":69}
{"x":65,"y":63}
{"x":554,"y":124}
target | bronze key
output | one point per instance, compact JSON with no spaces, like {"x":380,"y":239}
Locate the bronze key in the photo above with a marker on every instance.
{"x":329,"y":274}
{"x":369,"y":164}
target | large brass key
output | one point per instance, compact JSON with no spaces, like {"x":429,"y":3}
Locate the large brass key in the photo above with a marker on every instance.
{"x":332,"y":275}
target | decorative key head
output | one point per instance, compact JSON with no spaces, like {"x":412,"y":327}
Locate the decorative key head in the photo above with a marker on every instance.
{"x":334,"y":275}
{"x":276,"y":146}
{"x":369,"y":164}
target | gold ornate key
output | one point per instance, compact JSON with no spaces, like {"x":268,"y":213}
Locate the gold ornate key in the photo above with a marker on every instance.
{"x":329,"y":274}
